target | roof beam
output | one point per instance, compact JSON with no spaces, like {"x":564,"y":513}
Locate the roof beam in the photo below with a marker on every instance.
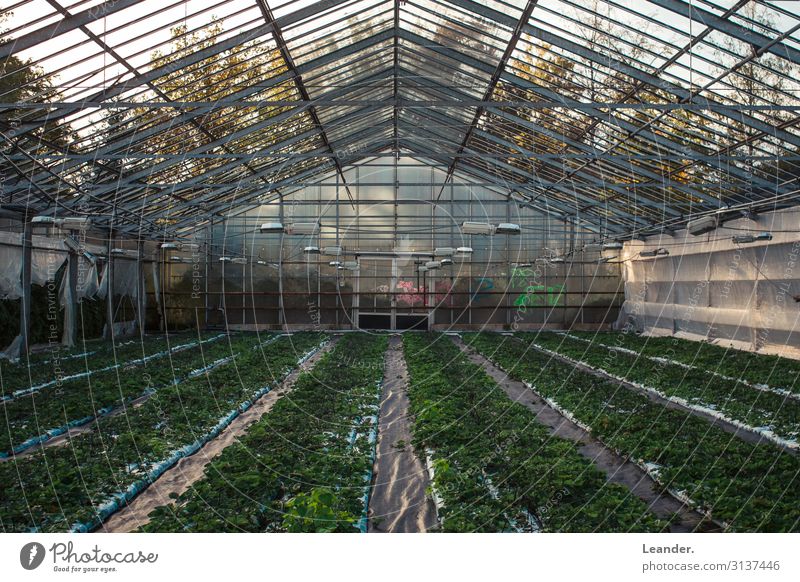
{"x":487,"y":95}
{"x":726,"y":26}
{"x":63,"y":26}
{"x":301,"y":88}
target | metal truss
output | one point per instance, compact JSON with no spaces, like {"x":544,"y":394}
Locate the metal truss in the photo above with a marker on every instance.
{"x":628,"y":119}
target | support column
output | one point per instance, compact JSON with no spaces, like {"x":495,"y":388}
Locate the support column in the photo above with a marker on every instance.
{"x":71,"y":308}
{"x":340,"y":257}
{"x":209,"y":245}
{"x":157,"y":268}
{"x":109,"y":331}
{"x":25,"y":304}
{"x":141,"y":302}
{"x":281,"y":319}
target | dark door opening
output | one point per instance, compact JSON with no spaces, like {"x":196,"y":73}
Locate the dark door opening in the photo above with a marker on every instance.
{"x":412,"y":321}
{"x":374,"y":321}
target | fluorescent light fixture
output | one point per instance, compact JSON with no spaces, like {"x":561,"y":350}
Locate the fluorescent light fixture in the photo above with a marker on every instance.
{"x":76,"y":223}
{"x":612,"y":246}
{"x":271,"y":227}
{"x":350,"y":265}
{"x":750,"y":238}
{"x":169,"y":245}
{"x":702,"y":225}
{"x":446,"y":262}
{"x":239,"y":260}
{"x":654,"y":253}
{"x":176,"y":259}
{"x":332,"y":251}
{"x":463,"y":251}
{"x":125,"y":253}
{"x":335,"y":264}
{"x":520,"y":265}
{"x":260,"y":262}
{"x":433,"y":265}
{"x":508,"y":228}
{"x":423,"y":269}
{"x":302,"y":228}
{"x":68,"y":223}
{"x":311,"y":250}
{"x":225,"y":259}
{"x":480,"y":228}
{"x":556,"y":260}
{"x":444,"y":252}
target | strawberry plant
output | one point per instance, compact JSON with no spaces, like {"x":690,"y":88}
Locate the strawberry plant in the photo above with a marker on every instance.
{"x":734,"y":399}
{"x":495,"y":468}
{"x":749,"y":487}
{"x":32,"y":417}
{"x":55,"y":488}
{"x":761,"y":369}
{"x":302,"y":466}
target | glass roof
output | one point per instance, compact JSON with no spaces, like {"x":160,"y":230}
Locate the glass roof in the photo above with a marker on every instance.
{"x":634,"y":115}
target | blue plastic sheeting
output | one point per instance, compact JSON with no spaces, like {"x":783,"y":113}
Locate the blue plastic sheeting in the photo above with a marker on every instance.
{"x":373,"y":440}
{"x":118,"y":500}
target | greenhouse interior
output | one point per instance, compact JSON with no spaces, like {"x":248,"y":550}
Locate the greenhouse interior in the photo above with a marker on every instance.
{"x":400,"y":266}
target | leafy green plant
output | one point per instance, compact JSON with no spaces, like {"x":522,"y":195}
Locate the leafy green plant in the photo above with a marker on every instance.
{"x":497,"y":469}
{"x":316,"y":511}
{"x":749,"y":487}
{"x":734,"y":399}
{"x":315,"y":438}
{"x":56,"y":487}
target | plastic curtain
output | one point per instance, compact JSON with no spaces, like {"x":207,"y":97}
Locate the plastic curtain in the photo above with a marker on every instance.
{"x":711,"y":288}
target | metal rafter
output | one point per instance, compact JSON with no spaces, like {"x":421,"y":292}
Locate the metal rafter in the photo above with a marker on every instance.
{"x":301,"y":88}
{"x":501,"y":65}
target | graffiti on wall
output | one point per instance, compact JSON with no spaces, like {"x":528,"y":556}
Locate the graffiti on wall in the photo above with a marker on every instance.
{"x":533,"y":295}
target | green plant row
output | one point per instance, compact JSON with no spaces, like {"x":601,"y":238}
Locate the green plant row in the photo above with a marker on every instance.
{"x":302,"y":466}
{"x":59,"y":365}
{"x":497,"y":469}
{"x":735,"y":400}
{"x":34,"y":416}
{"x":762,"y":369}
{"x":57,"y":487}
{"x":750,"y":487}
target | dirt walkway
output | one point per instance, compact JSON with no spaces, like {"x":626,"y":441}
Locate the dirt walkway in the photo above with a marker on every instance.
{"x":398,"y":503}
{"x":617,"y":469}
{"x":190,"y":469}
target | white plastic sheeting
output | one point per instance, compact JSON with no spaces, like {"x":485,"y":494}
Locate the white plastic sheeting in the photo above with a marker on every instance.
{"x":710,"y":288}
{"x":10,"y":265}
{"x":126,"y":278}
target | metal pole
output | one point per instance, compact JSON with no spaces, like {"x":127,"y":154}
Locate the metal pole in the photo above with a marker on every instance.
{"x":71,"y":330}
{"x":244,"y":279}
{"x":209,"y":243}
{"x":109,"y":331}
{"x":281,"y":318}
{"x":25,"y":307}
{"x":140,"y":289}
{"x":339,"y":258}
